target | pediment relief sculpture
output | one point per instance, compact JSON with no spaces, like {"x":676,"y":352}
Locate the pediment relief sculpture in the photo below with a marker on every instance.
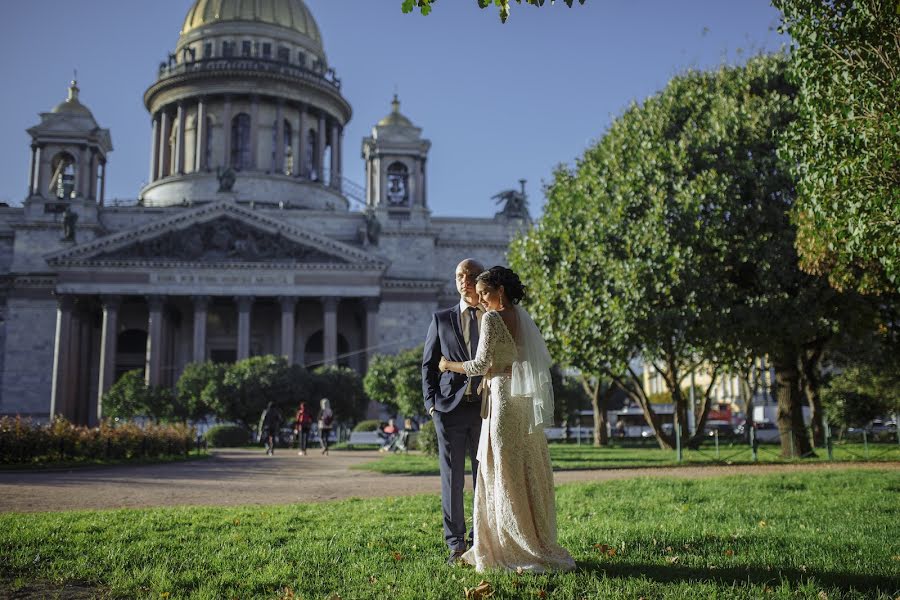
{"x":221,"y":240}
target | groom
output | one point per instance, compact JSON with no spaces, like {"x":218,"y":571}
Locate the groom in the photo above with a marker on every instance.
{"x":453,"y":401}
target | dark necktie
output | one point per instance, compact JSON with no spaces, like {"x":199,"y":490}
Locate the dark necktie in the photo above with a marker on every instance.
{"x":473,"y":344}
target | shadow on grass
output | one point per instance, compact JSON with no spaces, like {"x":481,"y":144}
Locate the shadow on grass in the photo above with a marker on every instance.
{"x":846,"y":582}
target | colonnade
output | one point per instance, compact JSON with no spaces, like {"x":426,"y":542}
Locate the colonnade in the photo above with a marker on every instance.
{"x":75,"y":344}
{"x":168,"y":159}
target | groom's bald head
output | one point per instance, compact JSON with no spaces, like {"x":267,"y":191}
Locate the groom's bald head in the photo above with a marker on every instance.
{"x":466,"y":272}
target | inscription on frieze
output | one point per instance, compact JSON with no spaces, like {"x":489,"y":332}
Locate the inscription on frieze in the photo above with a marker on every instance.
{"x":222,"y":240}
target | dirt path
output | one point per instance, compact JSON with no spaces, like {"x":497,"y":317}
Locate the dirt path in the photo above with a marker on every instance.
{"x":239,"y":477}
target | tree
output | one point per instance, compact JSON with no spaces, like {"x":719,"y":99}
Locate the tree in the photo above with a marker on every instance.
{"x":190,"y":386}
{"x":425,"y":6}
{"x":844,"y":146}
{"x":670,"y":243}
{"x":250,"y":384}
{"x":343,"y":388}
{"x":131,"y":397}
{"x":396,"y":381}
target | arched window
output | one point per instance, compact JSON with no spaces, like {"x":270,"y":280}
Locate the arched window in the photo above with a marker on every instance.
{"x":288,"y":148}
{"x":62,"y":183}
{"x":240,"y":141}
{"x":397,"y":184}
{"x":287,"y":145}
{"x":312,"y":156}
{"x":314,"y":350}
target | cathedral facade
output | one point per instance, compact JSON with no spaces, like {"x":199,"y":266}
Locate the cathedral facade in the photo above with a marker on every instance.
{"x":247,"y":240}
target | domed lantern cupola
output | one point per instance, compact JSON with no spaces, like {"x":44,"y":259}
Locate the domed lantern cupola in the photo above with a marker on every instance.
{"x":247,"y":91}
{"x":395,"y":156}
{"x":68,"y":156}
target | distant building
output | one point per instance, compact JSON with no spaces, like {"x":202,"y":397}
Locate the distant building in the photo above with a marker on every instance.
{"x":247,"y":239}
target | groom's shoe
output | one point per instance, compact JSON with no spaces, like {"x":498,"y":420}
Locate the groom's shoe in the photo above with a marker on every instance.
{"x":455,"y":557}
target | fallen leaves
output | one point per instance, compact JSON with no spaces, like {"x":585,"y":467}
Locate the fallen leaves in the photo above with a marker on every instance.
{"x":729,"y":552}
{"x":672,"y":560}
{"x":480,"y":591}
{"x":605,"y":549}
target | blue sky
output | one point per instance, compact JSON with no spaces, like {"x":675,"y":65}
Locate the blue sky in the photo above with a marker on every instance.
{"x":499,"y":102}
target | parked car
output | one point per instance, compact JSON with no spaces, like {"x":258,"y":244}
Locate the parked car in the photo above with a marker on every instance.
{"x":766,"y":431}
{"x":723,"y":428}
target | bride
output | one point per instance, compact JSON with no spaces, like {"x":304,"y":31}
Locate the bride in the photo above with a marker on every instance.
{"x":515,"y":507}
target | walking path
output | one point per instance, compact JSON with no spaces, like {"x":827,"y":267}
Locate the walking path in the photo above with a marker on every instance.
{"x":240,"y":477}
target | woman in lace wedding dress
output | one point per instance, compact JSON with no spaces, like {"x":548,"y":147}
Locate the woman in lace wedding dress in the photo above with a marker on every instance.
{"x":515,"y":506}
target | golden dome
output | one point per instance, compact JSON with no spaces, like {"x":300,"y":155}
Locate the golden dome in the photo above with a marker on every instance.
{"x":291,"y":14}
{"x":72,"y":105}
{"x":395,"y":119}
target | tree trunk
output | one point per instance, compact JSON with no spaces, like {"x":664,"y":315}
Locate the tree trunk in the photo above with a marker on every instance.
{"x":748,"y":406}
{"x":636,"y":393}
{"x":794,"y":439}
{"x":810,"y":384}
{"x":599,"y":395}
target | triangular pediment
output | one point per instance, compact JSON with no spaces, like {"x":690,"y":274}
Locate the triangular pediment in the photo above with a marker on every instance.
{"x":221,"y":234}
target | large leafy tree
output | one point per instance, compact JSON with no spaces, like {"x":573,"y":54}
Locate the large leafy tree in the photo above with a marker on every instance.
{"x":670,"y":242}
{"x":344,"y":390}
{"x":396,"y":381}
{"x":191,"y":384}
{"x":845,"y":144}
{"x":248,"y":385}
{"x":503,"y":6}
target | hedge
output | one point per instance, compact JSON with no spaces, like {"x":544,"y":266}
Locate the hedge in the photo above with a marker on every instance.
{"x":227,"y":436}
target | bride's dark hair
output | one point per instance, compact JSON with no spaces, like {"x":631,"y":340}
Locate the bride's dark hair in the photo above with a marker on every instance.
{"x":497,"y":276}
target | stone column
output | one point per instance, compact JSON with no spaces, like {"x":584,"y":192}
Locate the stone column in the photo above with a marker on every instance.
{"x":288,"y":306}
{"x":153,"y":372}
{"x":329,"y":330}
{"x":300,"y":164}
{"x":254,"y":132}
{"x":102,"y":181}
{"x":424,"y":194}
{"x":371,"y":305}
{"x":154,"y":150}
{"x":226,"y":133}
{"x":278,"y":167}
{"x":201,"y":133}
{"x":93,"y":168}
{"x":61,"y":387}
{"x":320,"y":149}
{"x":340,"y":158}
{"x":201,"y":307}
{"x":31,"y":172}
{"x":108,"y":340}
{"x":162,"y":166}
{"x":81,"y":187}
{"x":335,"y":174}
{"x":245,"y":305}
{"x":179,"y":139}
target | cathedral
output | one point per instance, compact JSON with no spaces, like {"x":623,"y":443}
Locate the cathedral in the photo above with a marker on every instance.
{"x":247,"y":238}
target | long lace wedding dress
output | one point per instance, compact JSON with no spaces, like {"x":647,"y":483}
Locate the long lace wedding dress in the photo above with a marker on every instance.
{"x":515,"y":508}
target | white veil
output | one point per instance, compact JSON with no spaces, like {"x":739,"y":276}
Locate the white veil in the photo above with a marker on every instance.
{"x":531,"y":373}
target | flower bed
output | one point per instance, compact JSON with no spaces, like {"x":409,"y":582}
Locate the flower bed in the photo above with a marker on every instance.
{"x":23,"y":441}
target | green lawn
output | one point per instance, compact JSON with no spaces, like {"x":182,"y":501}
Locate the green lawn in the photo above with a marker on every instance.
{"x":571,"y":456}
{"x":806,"y":535}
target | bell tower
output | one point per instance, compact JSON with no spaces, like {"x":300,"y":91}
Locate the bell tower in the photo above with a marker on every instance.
{"x":68,"y":157}
{"x":395,"y":156}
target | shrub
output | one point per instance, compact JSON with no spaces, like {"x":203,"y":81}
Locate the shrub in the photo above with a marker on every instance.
{"x":24,"y":441}
{"x":427,"y":439}
{"x":224,"y":436}
{"x":367,"y":425}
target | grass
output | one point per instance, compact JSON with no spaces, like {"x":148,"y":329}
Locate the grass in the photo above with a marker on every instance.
{"x":571,"y":456}
{"x":804,"y":535}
